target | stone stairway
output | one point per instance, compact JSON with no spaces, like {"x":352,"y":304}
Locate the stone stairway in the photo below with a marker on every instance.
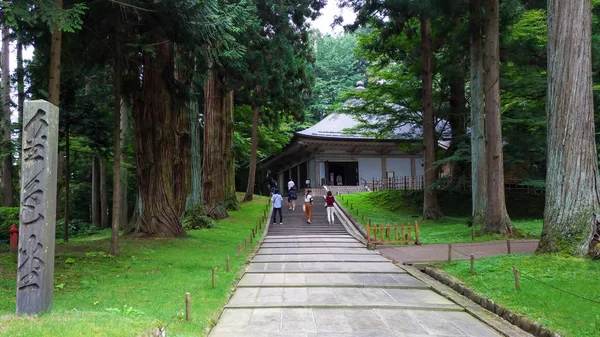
{"x":316,"y":280}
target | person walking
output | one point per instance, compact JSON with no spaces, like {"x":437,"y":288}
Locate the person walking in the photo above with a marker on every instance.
{"x":329,"y":201}
{"x":292,"y":196}
{"x":277,"y":200}
{"x":308,"y":201}
{"x":291,"y":184}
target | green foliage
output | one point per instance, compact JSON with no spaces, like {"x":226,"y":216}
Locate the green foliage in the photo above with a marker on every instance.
{"x":8,"y":217}
{"x":105,"y":295}
{"x":197,"y":219}
{"x":566,"y":314}
{"x":76,"y":227}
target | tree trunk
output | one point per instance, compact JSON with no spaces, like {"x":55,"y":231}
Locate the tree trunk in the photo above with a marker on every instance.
{"x":431,"y":208}
{"x":54,"y":92}
{"x":183,"y":141}
{"x":478,"y":156}
{"x":67,"y":183}
{"x":124,"y":182}
{"x":103,"y":202}
{"x":157,"y":148}
{"x":570,"y":216}
{"x":116,"y":206}
{"x":96,"y":219}
{"x":457,"y":119}
{"x":20,"y":87}
{"x":496,"y":216}
{"x":213,"y":168}
{"x":231,"y":202}
{"x":194,"y":200}
{"x":253,"y":154}
{"x":7,"y":169}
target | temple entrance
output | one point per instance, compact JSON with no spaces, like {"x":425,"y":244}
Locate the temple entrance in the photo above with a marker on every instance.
{"x":342,"y":173}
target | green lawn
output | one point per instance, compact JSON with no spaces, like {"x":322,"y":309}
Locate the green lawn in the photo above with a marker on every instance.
{"x":561,"y":312}
{"x":398,"y":207}
{"x":99,"y":295}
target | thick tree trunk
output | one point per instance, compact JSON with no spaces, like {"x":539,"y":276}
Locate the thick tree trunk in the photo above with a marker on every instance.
{"x":67,"y":183}
{"x":496,"y":216}
{"x":7,"y":169}
{"x":478,"y":156}
{"x":571,"y":213}
{"x":116,"y":206}
{"x":156,"y":132}
{"x":457,"y":119}
{"x":213,"y":168}
{"x":431,"y":208}
{"x":194,"y":200}
{"x":253,"y":154}
{"x":20,"y":87}
{"x":231,"y":201}
{"x":103,"y":196}
{"x":96,"y":219}
{"x":123,"y":168}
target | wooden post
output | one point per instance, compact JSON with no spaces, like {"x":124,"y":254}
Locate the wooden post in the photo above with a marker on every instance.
{"x":449,"y":253}
{"x":516,"y":273}
{"x":245,"y":244}
{"x":368,"y":231}
{"x":395,"y":232}
{"x":214,"y":281}
{"x":227,"y":263}
{"x":351,"y":207}
{"x":409,"y":236}
{"x":402,"y":231}
{"x":250,"y":238}
{"x":188,"y":307}
{"x":416,"y":232}
{"x":382,"y":230}
{"x":389,"y":231}
{"x":508,"y":247}
{"x":239,"y":249}
{"x":472,"y":263}
{"x":472,"y":233}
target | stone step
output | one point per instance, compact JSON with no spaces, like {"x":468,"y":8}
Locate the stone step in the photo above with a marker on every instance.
{"x":320,"y":258}
{"x":319,"y":250}
{"x":324,"y":267}
{"x":332,"y":280}
{"x":297,"y":240}
{"x":348,"y":322}
{"x":346,"y":297}
{"x":312,"y":245}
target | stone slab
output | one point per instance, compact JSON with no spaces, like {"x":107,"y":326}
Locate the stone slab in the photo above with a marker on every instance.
{"x":324,"y":267}
{"x":331,"y":280}
{"x":348,"y":322}
{"x":298,"y":240}
{"x":320,"y":258}
{"x":339,"y":297}
{"x":319,"y":250}
{"x":354,"y":244}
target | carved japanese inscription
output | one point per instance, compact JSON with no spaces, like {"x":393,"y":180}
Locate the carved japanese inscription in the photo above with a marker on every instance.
{"x":35,"y":268}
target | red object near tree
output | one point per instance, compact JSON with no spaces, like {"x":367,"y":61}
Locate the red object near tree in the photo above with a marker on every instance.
{"x":14,"y":238}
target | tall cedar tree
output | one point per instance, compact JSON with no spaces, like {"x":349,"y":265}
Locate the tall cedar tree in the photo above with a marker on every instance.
{"x":7,"y":148}
{"x":572,"y":199}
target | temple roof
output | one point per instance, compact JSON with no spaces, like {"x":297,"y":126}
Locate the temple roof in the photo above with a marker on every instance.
{"x":336,"y":125}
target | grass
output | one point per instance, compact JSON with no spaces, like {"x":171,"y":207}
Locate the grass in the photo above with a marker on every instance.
{"x":566,"y":314}
{"x":100,"y":295}
{"x":402,"y":207}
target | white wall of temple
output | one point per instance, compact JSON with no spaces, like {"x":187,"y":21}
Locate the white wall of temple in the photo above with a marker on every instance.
{"x":400,"y":166}
{"x":419,"y":166}
{"x":369,"y":168}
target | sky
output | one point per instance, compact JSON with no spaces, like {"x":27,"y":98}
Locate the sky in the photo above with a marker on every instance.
{"x":323,"y":22}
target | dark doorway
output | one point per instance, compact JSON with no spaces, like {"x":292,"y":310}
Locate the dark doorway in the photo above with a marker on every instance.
{"x":348,"y":172}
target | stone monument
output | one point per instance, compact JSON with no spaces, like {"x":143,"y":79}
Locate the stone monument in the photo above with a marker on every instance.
{"x":35,"y":267}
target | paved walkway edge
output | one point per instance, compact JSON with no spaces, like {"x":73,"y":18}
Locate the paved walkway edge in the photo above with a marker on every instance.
{"x":238,"y":276}
{"x":348,"y":224}
{"x":525,"y":323}
{"x":492,"y":320}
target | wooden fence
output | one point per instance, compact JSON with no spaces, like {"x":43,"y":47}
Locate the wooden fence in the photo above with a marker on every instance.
{"x":393,"y":234}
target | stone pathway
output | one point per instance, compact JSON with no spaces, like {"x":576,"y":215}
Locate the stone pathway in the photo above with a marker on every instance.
{"x":316,"y":280}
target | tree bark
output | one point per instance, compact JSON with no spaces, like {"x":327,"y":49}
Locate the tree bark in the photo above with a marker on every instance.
{"x":231,"y":201}
{"x":67,"y":183}
{"x":116,"y":206}
{"x":213,"y":168}
{"x":457,"y":119}
{"x":7,"y":169}
{"x":431,"y":208}
{"x":96,"y":219}
{"x":103,"y":201}
{"x":54,"y":92}
{"x":478,"y":155}
{"x":253,"y":154}
{"x":20,"y":87}
{"x":124,"y":182}
{"x":157,"y":147}
{"x":571,"y":210}
{"x":496,"y":216}
{"x":194,"y":200}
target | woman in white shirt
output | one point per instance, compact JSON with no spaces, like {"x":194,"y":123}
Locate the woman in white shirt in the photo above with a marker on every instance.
{"x":308,"y":200}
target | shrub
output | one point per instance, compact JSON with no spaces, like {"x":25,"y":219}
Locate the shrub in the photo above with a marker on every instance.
{"x":76,"y":227}
{"x":197,"y":219}
{"x":8,"y":216}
